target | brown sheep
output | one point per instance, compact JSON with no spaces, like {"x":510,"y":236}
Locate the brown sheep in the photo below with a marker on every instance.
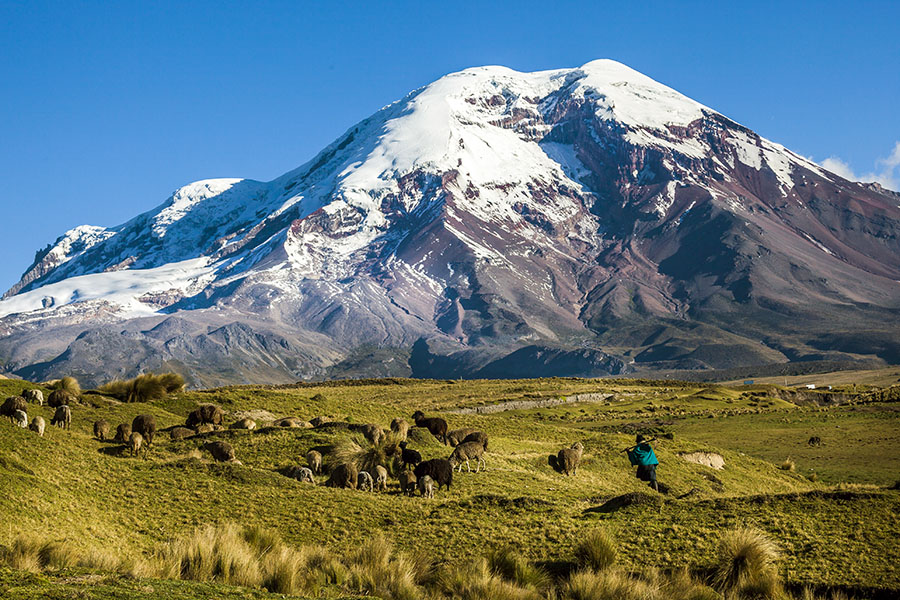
{"x":59,"y":398}
{"x":206,"y":413}
{"x":101,"y":429}
{"x":123,"y":433}
{"x":467,"y":451}
{"x":204,"y":428}
{"x":438,"y":469}
{"x":343,"y":476}
{"x":314,"y":460}
{"x":455,"y":437}
{"x":135,"y":441}
{"x":477,"y":436}
{"x":62,"y":417}
{"x":293,"y":422}
{"x":373,"y":433}
{"x":146,"y":426}
{"x":568,"y":459}
{"x":400,"y":427}
{"x":33,"y":395}
{"x":380,"y":475}
{"x":408,"y":483}
{"x":319,"y":421}
{"x":221,"y":451}
{"x":180,"y":433}
{"x":436,"y":425}
{"x":13,"y":404}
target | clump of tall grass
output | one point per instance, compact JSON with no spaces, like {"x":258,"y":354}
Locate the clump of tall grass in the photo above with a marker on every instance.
{"x":514,"y":568}
{"x":376,"y":570}
{"x":143,"y":388}
{"x":746,"y":565}
{"x":787,"y":465}
{"x":28,"y":552}
{"x":597,"y":551}
{"x":68,"y":384}
{"x":475,"y":581}
{"x":354,"y":449}
{"x":609,"y":584}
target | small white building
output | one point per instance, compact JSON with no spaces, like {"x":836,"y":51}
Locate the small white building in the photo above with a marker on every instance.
{"x":810,"y":386}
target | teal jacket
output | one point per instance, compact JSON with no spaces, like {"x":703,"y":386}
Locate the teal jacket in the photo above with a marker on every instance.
{"x":642,"y":455}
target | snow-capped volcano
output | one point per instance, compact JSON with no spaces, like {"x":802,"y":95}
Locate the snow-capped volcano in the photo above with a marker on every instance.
{"x":575,"y":221}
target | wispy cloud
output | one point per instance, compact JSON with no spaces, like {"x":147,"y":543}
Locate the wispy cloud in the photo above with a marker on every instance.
{"x":886,"y":172}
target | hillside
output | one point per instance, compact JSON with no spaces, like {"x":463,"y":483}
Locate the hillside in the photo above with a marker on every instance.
{"x":69,"y":486}
{"x":576,"y":222}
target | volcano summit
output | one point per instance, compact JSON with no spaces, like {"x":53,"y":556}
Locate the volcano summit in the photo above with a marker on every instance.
{"x":584,"y":221}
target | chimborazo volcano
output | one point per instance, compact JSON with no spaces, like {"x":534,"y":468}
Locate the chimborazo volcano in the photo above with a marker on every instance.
{"x":586,"y":221}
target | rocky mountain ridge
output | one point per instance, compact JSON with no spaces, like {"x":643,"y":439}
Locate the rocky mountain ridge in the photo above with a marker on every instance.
{"x":582,"y":221}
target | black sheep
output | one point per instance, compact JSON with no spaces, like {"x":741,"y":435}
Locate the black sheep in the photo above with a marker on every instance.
{"x":206,"y":413}
{"x":439,"y":469}
{"x":436,"y":425}
{"x":408,"y":456}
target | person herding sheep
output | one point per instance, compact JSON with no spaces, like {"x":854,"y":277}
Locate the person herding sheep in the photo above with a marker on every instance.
{"x":643,"y":456}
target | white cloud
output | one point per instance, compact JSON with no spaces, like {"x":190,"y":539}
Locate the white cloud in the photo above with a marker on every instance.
{"x":887,"y":170}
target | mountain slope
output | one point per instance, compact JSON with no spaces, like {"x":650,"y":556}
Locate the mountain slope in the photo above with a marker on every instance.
{"x":480,"y":222}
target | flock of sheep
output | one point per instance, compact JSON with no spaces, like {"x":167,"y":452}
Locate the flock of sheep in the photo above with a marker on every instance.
{"x":414,"y":472}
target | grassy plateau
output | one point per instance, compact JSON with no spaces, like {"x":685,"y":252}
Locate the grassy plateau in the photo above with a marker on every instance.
{"x":103,"y":524}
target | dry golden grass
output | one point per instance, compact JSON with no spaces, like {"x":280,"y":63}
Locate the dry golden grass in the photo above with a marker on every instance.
{"x":746,"y":565}
{"x":597,"y":551}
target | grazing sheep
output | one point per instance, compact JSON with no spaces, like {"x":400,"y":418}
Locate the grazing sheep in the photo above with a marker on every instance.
{"x":364,"y":480}
{"x":438,"y":469}
{"x":408,"y":483}
{"x":343,"y":476}
{"x":123,"y":433}
{"x":381,"y":478}
{"x":436,"y":425}
{"x":426,"y":486}
{"x":146,"y":426}
{"x":319,"y":421}
{"x":20,"y":418}
{"x":373,"y":433}
{"x":314,"y":460}
{"x":301,"y":474}
{"x":59,"y":398}
{"x":455,"y":437}
{"x":135,"y":441}
{"x":180,"y":433}
{"x":101,"y":430}
{"x":248,"y":424}
{"x":409,"y":457}
{"x":467,"y":451}
{"x":13,"y":404}
{"x":400,"y":427}
{"x":62,"y":417}
{"x":221,"y":451}
{"x":35,"y":396}
{"x":292,"y":422}
{"x":568,"y":459}
{"x":477,"y":436}
{"x":206,"y":413}
{"x":204,"y":428}
{"x":38,"y":425}
{"x":815,"y":441}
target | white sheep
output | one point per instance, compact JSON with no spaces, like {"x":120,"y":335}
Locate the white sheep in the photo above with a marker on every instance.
{"x":381,"y":478}
{"x":364,"y":480}
{"x":38,"y":425}
{"x":305,"y":475}
{"x":20,"y":418}
{"x":426,"y":486}
{"x":35,"y":396}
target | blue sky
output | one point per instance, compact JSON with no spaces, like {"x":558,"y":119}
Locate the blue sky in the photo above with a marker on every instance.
{"x":106,"y":108}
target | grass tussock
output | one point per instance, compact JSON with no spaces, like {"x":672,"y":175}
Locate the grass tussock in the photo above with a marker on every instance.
{"x":475,"y":581}
{"x":609,"y":584}
{"x":514,"y":568}
{"x":28,"y":552}
{"x":597,"y":551}
{"x":375,"y":569}
{"x":787,"y":465}
{"x":746,"y":565}
{"x":354,"y":449}
{"x":144,"y":388}
{"x":67,"y":383}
